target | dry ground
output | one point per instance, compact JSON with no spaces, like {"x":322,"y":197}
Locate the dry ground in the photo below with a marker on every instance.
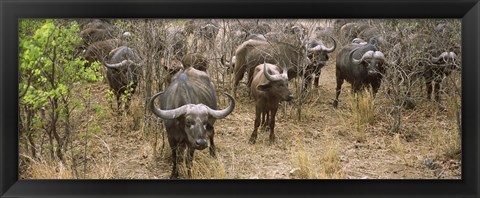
{"x":326,"y":143}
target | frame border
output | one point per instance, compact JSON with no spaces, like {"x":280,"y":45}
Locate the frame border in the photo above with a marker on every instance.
{"x":11,"y":11}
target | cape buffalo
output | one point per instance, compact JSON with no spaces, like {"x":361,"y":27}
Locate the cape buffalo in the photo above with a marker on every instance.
{"x":176,"y":42}
{"x":269,"y":88}
{"x":209,"y":32}
{"x":123,"y":69}
{"x":253,"y":52}
{"x":434,"y":73}
{"x":360,"y":65}
{"x":92,"y":35}
{"x":196,"y":61}
{"x":318,"y":55}
{"x":172,"y":68}
{"x":98,"y":51}
{"x":297,"y":29}
{"x":421,"y":55}
{"x":293,"y":57}
{"x":231,"y":64}
{"x":189,"y":110}
{"x":350,"y":31}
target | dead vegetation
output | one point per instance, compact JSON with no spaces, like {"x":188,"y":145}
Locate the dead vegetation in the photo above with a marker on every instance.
{"x":355,"y":141}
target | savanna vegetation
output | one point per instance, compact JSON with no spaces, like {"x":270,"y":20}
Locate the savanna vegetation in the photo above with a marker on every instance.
{"x":70,"y":126}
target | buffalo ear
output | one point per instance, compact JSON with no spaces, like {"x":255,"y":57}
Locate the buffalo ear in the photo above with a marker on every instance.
{"x":264,"y":87}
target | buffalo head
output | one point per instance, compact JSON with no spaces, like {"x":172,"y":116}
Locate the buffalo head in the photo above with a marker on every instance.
{"x":194,"y":119}
{"x":277,"y":84}
{"x":371,"y":60}
{"x":318,"y":53}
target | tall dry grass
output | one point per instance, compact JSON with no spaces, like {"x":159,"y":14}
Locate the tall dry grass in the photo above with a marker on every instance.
{"x":204,"y":167}
{"x":317,"y":164}
{"x":359,"y":115}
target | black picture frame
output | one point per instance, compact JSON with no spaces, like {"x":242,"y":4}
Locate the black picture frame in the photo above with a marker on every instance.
{"x":11,"y":11}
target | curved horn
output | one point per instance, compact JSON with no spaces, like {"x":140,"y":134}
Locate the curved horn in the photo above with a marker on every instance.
{"x":118,"y":65}
{"x":330,"y":50}
{"x":317,"y":47}
{"x":223,"y":61}
{"x":368,"y":54}
{"x":443,"y":55}
{"x":452,"y":55}
{"x":365,"y":55}
{"x":121,"y":64}
{"x":226,"y":63}
{"x":166,"y":114}
{"x":354,"y":61}
{"x":268,"y":76}
{"x":379,"y":55}
{"x":219,"y":114}
{"x":358,"y":41}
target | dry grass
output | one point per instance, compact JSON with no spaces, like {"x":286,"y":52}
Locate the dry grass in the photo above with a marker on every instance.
{"x":445,"y":142}
{"x":48,"y":170}
{"x":205,"y":167}
{"x":359,"y":116}
{"x":398,"y":146}
{"x":362,"y":106}
{"x":352,"y":141}
{"x":301,"y":162}
{"x":330,"y":165}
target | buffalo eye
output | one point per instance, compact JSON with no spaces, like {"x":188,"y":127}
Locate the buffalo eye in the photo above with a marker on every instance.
{"x":189,"y":123}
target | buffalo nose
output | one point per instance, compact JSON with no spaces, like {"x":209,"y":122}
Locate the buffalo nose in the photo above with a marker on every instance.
{"x":201,"y":143}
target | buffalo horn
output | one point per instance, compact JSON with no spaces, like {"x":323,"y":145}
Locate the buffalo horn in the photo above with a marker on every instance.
{"x":166,"y":114}
{"x":330,"y":50}
{"x":121,"y":64}
{"x":314,"y":49}
{"x":379,"y":55}
{"x":269,"y":77}
{"x":437,"y":59}
{"x":367,"y":54}
{"x":452,"y":55}
{"x":219,"y":114}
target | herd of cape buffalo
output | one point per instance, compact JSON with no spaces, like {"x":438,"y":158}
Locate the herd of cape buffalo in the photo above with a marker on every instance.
{"x":271,"y":55}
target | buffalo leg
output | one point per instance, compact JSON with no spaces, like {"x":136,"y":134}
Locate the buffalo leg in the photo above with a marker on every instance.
{"x":437,"y":90}
{"x":338,"y":90}
{"x":250,"y":77}
{"x":267,"y":114}
{"x":127,"y":104}
{"x":213,"y":150}
{"x":191,"y":151}
{"x":253,"y":137}
{"x":429,"y":88}
{"x":263,"y":116}
{"x":129,"y":97}
{"x":175,"y":149}
{"x":308,"y":82}
{"x":119,"y":103}
{"x":437,"y":95}
{"x":264,"y":122}
{"x":272,"y":124}
{"x":375,"y":86}
{"x":239,"y":72}
{"x":317,"y":78}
